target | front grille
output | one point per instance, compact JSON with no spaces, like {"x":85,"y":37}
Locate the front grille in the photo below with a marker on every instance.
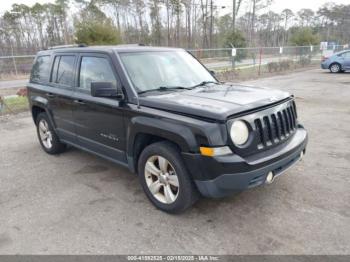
{"x":276,"y":127}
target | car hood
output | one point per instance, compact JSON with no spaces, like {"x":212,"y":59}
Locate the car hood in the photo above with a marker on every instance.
{"x":214,"y":101}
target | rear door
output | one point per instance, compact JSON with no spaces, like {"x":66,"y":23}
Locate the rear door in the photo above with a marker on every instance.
{"x":99,"y":121}
{"x":60,"y":92}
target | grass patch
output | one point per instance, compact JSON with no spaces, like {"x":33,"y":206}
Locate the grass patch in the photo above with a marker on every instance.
{"x":14,"y":105}
{"x":241,"y":74}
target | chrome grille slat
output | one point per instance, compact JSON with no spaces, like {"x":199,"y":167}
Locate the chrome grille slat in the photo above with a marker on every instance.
{"x":295,"y":110}
{"x":275,"y":135}
{"x":282,"y":124}
{"x":285,"y":119}
{"x":292,"y":116}
{"x":289,"y":120}
{"x":258,"y":127}
{"x":267,"y":130}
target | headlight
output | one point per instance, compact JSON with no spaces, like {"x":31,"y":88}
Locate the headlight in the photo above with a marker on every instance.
{"x":239,"y":132}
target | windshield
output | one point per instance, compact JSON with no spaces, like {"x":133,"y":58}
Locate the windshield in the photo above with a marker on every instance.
{"x":155,"y":69}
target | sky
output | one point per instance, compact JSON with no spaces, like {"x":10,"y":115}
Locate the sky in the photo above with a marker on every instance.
{"x":277,"y":6}
{"x":6,"y":4}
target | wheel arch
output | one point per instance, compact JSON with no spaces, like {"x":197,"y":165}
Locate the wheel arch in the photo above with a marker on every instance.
{"x":333,"y":63}
{"x":36,"y":110}
{"x":39,"y":105}
{"x":144,"y":131}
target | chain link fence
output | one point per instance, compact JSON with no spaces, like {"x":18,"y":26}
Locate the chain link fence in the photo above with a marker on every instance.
{"x":15,"y":65}
{"x":229,"y":65}
{"x":245,"y":63}
{"x":221,"y":59}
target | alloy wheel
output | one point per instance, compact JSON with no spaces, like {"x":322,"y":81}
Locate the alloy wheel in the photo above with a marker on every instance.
{"x":335,"y":68}
{"x":45,"y":134}
{"x":161,"y":179}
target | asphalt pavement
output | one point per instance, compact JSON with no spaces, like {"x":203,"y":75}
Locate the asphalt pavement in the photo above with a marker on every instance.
{"x":13,"y":83}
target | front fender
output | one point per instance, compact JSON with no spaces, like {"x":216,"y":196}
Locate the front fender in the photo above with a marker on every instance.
{"x":179,"y":134}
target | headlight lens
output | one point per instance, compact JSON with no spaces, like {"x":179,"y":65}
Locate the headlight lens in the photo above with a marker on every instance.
{"x":239,"y":132}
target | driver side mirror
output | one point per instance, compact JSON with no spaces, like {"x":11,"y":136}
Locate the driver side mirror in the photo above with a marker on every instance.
{"x":212,"y":72}
{"x":106,"y":89}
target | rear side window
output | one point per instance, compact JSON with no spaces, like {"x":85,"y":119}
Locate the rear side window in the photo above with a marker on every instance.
{"x":346,"y":55}
{"x":95,"y":69}
{"x":41,"y":69}
{"x":62,"y":72}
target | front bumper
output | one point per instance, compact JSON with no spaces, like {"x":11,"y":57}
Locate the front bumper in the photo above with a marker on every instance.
{"x":221,"y":176}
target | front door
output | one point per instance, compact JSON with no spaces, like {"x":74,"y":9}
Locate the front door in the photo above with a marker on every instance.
{"x":99,"y":121}
{"x":346,"y":63}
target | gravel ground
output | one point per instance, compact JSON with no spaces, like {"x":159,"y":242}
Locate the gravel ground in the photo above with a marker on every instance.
{"x":76,"y":203}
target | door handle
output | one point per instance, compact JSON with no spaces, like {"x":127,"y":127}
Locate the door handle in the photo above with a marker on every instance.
{"x":50,"y":95}
{"x":80,"y":102}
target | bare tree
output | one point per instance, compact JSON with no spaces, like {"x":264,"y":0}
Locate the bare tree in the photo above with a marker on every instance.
{"x":236,"y":4}
{"x":287,"y":16}
{"x":257,"y":5}
{"x":306,"y":16}
{"x":184,"y":23}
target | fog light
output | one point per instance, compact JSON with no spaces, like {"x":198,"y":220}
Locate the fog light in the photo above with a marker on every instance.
{"x":301,"y":155}
{"x":270,"y":177}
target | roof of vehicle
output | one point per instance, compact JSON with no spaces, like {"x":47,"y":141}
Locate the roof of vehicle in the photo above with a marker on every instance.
{"x":110,"y":48}
{"x":340,"y":52}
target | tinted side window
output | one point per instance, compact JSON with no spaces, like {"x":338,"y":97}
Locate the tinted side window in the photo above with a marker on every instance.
{"x":41,"y":69}
{"x":95,"y":69}
{"x":63,"y":70}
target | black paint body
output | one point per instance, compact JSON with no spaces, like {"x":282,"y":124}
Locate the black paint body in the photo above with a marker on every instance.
{"x":119,"y":129}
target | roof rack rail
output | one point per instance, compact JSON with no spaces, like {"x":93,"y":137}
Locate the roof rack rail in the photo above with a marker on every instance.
{"x":66,"y":46}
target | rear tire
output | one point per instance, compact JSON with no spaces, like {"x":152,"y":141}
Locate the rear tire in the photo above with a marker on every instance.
{"x":165,"y":179}
{"x":335,"y":68}
{"x":48,"y":139}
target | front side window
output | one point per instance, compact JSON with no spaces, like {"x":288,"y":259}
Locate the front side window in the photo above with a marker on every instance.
{"x":63,"y":70}
{"x":95,"y":69}
{"x":41,"y":69}
{"x":154,"y":69}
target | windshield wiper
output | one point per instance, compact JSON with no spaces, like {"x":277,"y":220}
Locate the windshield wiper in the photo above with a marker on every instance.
{"x":164,"y":88}
{"x":204,"y":83}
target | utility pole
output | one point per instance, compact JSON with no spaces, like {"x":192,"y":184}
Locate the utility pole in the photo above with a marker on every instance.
{"x":251,"y":34}
{"x":168,"y":21}
{"x":234,"y":15}
{"x":211,"y":24}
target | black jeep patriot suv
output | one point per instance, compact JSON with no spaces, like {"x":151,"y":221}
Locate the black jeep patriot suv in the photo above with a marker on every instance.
{"x":162,"y":114}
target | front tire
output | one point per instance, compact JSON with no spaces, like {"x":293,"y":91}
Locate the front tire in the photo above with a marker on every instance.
{"x":165,"y":179}
{"x":335,"y":68}
{"x":48,"y":139}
